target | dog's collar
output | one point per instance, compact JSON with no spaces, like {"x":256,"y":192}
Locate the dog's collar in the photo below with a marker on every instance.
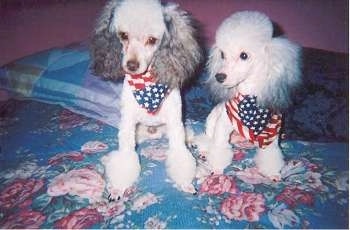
{"x":259,"y":125}
{"x":148,"y":93}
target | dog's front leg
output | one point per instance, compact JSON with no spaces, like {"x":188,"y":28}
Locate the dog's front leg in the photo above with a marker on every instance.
{"x":181,"y":165}
{"x":123,"y":166}
{"x":269,"y":160}
{"x":219,"y":153}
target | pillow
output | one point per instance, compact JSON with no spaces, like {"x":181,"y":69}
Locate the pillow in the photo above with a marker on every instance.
{"x":62,"y":76}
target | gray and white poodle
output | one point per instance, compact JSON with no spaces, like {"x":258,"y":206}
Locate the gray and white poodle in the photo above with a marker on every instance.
{"x":154,"y":48}
{"x":253,"y":74}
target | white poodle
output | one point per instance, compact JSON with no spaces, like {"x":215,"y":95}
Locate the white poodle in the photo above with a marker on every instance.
{"x":253,"y":74}
{"x":155,"y":48}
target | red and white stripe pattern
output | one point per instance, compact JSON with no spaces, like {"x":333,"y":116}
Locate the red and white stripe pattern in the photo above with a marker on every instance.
{"x":140,"y":81}
{"x":265,"y":137}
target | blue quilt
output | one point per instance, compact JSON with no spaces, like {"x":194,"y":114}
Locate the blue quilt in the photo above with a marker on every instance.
{"x":51,"y":175}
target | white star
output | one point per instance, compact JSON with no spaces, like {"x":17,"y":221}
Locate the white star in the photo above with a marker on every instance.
{"x":146,"y":104}
{"x":146,"y":98}
{"x":138,"y":97}
{"x":155,"y":89}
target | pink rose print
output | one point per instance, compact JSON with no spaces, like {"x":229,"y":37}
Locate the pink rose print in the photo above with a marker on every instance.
{"x":24,"y":219}
{"x":83,"y":218}
{"x":293,"y":196}
{"x":26,"y":204}
{"x":155,"y":223}
{"x":312,"y":166}
{"x":110,"y":209}
{"x":18,"y":191}
{"x":86,"y":183}
{"x":252,"y":176}
{"x":144,"y":201}
{"x":157,"y":154}
{"x":70,"y":120}
{"x":238,"y":155}
{"x":238,"y":141}
{"x":244,"y":206}
{"x":218,"y":184}
{"x":72,"y":156}
{"x":93,"y":147}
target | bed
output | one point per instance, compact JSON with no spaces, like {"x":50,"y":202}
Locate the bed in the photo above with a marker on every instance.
{"x":57,"y":120}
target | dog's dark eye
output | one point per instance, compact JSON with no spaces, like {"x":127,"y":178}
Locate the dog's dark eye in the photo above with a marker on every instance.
{"x":151,"y":41}
{"x":243,"y":56}
{"x":222,"y":55}
{"x":123,"y":36}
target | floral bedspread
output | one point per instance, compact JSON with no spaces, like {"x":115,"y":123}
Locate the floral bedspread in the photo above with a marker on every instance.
{"x":51,"y":175}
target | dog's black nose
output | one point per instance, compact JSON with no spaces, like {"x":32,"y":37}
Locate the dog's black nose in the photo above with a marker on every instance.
{"x":220,"y":77}
{"x":132,"y":65}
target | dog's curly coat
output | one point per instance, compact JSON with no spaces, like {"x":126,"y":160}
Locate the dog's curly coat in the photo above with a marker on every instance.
{"x":247,"y":59}
{"x":132,"y":36}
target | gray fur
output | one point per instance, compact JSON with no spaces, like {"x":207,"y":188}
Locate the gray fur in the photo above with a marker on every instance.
{"x":175,"y":61}
{"x":105,"y":48}
{"x":179,"y":54}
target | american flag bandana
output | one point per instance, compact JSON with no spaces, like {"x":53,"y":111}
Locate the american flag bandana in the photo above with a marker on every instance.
{"x":259,"y":125}
{"x":148,"y":94}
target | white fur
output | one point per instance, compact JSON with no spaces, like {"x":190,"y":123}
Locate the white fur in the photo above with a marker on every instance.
{"x":270,"y":72}
{"x":142,"y":19}
{"x":133,"y":17}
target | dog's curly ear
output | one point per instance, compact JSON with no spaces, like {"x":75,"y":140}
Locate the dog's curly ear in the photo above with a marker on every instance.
{"x":105,"y":48}
{"x":283,"y":66}
{"x":179,"y":54}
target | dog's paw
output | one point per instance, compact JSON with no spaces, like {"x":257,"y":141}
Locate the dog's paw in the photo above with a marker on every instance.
{"x":218,"y":158}
{"x":188,"y":189}
{"x":181,"y":168}
{"x":271,"y":171}
{"x":121,"y":171}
